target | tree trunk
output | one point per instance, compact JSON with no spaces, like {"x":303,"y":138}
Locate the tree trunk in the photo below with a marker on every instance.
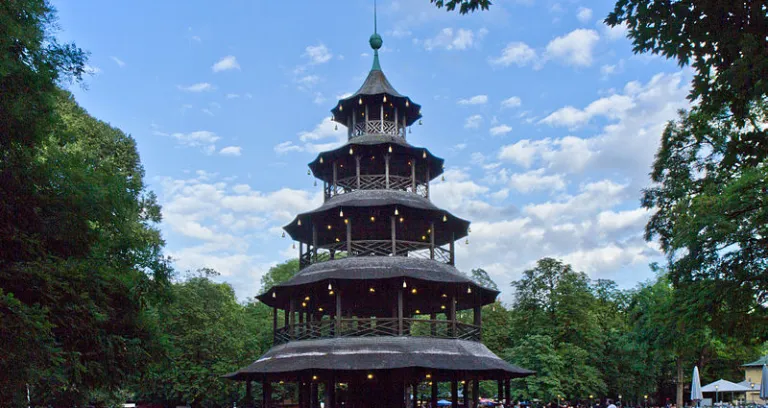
{"x":680,"y":383}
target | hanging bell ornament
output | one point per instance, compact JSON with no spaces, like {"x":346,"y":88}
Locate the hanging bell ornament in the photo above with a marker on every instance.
{"x":351,"y":151}
{"x":293,"y":246}
{"x":283,"y":234}
{"x":445,"y":218}
{"x":410,"y":130}
{"x":308,"y":173}
{"x":299,"y":222}
{"x":420,"y":122}
{"x":321,"y":159}
{"x":336,"y":127}
{"x":442,"y":178}
{"x":315,"y":183}
{"x":341,"y":108}
{"x":466,"y":242}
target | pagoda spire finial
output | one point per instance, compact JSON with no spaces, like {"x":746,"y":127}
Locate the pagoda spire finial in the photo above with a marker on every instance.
{"x":375,"y":41}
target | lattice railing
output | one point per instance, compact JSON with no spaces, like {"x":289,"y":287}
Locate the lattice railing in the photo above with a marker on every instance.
{"x":376,"y":182}
{"x":376,"y":327}
{"x":377,"y":127}
{"x":338,"y":250}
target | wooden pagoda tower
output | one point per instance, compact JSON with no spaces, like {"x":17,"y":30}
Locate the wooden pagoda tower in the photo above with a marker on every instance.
{"x":372,"y":313}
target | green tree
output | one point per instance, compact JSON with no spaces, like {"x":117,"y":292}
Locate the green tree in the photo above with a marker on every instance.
{"x":481,"y":277}
{"x":724,"y":42}
{"x":465,"y":6}
{"x":279,"y":274}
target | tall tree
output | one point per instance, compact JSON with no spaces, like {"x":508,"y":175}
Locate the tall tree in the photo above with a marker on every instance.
{"x":279,"y":274}
{"x":465,"y":6}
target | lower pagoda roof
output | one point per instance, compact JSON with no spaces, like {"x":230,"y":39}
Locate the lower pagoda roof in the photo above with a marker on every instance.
{"x":370,"y":354}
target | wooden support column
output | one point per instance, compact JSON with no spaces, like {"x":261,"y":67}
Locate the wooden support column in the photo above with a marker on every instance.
{"x":314,"y":242}
{"x":500,"y":391}
{"x":349,"y":236}
{"x":366,"y":119}
{"x":452,"y":316}
{"x":248,"y":395}
{"x":433,"y":395}
{"x":330,"y":394}
{"x":475,"y":393}
{"x":274,"y":320}
{"x":452,"y":250}
{"x":266,"y":394}
{"x":413,"y":175}
{"x":465,"y":393}
{"x":354,"y":121}
{"x":314,"y":395}
{"x":386,"y":170}
{"x":338,"y":312}
{"x":507,"y":392}
{"x":454,"y":393}
{"x":415,"y":390}
{"x":433,"y":325}
{"x":301,"y":251}
{"x":285,"y":318}
{"x":300,"y":329}
{"x":335,"y":178}
{"x":432,"y":240}
{"x":381,"y":119}
{"x":478,"y":318}
{"x":302,"y":393}
{"x":397,"y":124}
{"x":349,"y":127}
{"x":292,"y":321}
{"x":357,"y":170}
{"x":393,"y":226}
{"x":426,"y":183}
{"x":399,"y":311}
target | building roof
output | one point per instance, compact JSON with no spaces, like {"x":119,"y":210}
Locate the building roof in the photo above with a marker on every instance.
{"x":380,"y":353}
{"x":724,"y":386}
{"x":758,"y":363}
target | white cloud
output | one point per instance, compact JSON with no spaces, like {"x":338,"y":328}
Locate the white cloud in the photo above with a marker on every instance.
{"x":120,"y":63}
{"x":91,"y":70}
{"x":473,"y":122}
{"x":500,"y":130}
{"x":232,"y":96}
{"x":511,"y":102}
{"x":308,"y":80}
{"x":612,"y":221}
{"x":198,"y":87}
{"x":614,"y":33}
{"x":584,"y":14}
{"x":574,"y":48}
{"x":518,"y":53}
{"x":611,"y":107}
{"x":536,"y":180}
{"x":231,"y":151}
{"x":225,"y":64}
{"x":203,"y":139}
{"x":450,"y":39}
{"x":316,"y":140}
{"x":475,"y":100}
{"x":317,"y":54}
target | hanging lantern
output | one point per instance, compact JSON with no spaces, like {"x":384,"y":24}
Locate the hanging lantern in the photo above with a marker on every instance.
{"x":299,"y":222}
{"x":274,"y":295}
{"x":424,"y":155}
{"x":405,"y":285}
{"x":420,"y":122}
{"x":442,"y":178}
{"x":351,"y":151}
{"x":469,"y":289}
{"x":283,"y":234}
{"x":493,"y":308}
{"x":321,"y":159}
{"x":336,"y":127}
{"x":360,"y":101}
{"x":329,"y":227}
{"x":315,"y":183}
{"x":469,"y":229}
{"x":442,"y":307}
{"x":401,"y":219}
{"x":341,"y":108}
{"x":385,"y":98}
{"x":373,"y":218}
{"x":390,"y":148}
{"x":308,"y":173}
{"x":417,"y":311}
{"x":407,"y":104}
{"x":346,"y":220}
{"x":423,"y":237}
{"x":445,"y":218}
{"x":397,"y":212}
{"x":414,"y":291}
{"x":330,"y":287}
{"x":341,"y":213}
{"x":466,"y":242}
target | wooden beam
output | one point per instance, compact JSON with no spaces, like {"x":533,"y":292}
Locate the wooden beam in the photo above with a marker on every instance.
{"x":393,"y":225}
{"x":266,"y":394}
{"x":507,"y":392}
{"x":248,"y":395}
{"x":357,"y":170}
{"x":349,"y":236}
{"x":475,"y":393}
{"x":386,"y":170}
{"x":432,"y":240}
{"x":330,"y":394}
{"x":338,"y":312}
{"x":413,"y":174}
{"x":335,"y":178}
{"x":452,"y":259}
{"x":465,"y":393}
{"x":452,"y":316}
{"x":454,"y":392}
{"x":314,"y":242}
{"x":433,"y":394}
{"x":399,"y":311}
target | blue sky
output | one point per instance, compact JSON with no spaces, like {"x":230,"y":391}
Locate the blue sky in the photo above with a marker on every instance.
{"x":547,"y":121}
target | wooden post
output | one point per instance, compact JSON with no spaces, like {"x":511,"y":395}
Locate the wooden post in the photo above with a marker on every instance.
{"x":397,"y":124}
{"x":301,"y":250}
{"x":381,"y":118}
{"x":432,"y":240}
{"x":507,"y":392}
{"x":465,"y":393}
{"x":349,"y":127}
{"x":453,"y":315}
{"x":266,"y":394}
{"x":248,"y":396}
{"x":330,"y":394}
{"x":475,"y":393}
{"x":354,"y":121}
{"x":274,"y":321}
{"x":394,"y":235}
{"x":338,"y":312}
{"x":399,"y":311}
{"x":366,"y":119}
{"x":454,"y":393}
{"x":432,"y":325}
{"x":426,"y":183}
{"x":357,"y":170}
{"x":500,"y":391}
{"x":285,"y":318}
{"x":314,"y":400}
{"x":452,"y":258}
{"x":386,"y":170}
{"x":314,"y":242}
{"x":302,"y":393}
{"x":301,"y":324}
{"x":335,"y":178}
{"x":349,"y":237}
{"x":413,"y":175}
{"x":415,"y":389}
{"x":292,"y":322}
{"x":433,"y":396}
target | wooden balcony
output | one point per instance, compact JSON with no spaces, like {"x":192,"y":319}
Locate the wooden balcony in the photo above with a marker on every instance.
{"x":338,"y":250}
{"x":377,"y":327}
{"x":377,"y":182}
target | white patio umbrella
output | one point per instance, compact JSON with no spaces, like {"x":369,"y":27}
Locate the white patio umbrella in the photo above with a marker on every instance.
{"x":696,"y":394}
{"x":764,"y":384}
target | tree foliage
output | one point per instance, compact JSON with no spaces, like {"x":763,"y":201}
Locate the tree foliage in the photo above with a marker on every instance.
{"x":724,"y":42}
{"x":465,"y":6}
{"x":279,"y":274}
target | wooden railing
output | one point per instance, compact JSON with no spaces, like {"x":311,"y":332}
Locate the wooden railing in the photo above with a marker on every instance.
{"x":377,"y":127}
{"x":413,"y":249}
{"x":377,"y":327}
{"x":376,"y":182}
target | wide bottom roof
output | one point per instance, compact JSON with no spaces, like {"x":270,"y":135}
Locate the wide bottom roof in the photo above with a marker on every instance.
{"x":368,"y":354}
